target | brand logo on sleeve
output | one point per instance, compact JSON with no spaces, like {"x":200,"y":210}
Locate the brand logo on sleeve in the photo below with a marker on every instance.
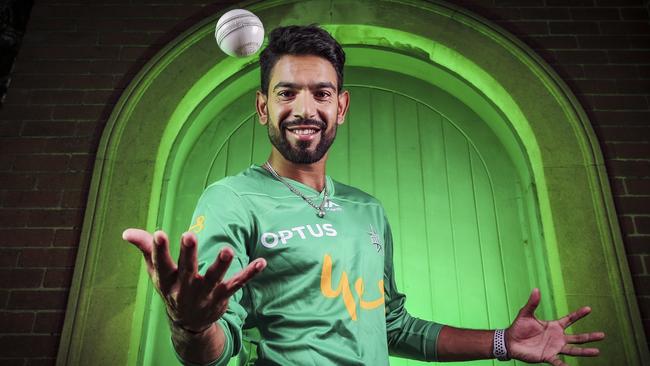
{"x":199,"y":225}
{"x":272,"y":239}
{"x":331,"y":206}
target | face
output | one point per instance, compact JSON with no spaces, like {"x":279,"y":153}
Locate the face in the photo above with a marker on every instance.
{"x":302,"y":108}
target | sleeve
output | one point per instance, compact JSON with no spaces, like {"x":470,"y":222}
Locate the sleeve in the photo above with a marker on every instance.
{"x":408,"y":336}
{"x":220,"y":220}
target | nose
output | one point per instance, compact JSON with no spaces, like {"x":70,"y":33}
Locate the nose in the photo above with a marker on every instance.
{"x":304,"y":106}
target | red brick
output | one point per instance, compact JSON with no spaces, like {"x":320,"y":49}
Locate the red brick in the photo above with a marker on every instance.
{"x":636,"y":264}
{"x":4,"y":297}
{"x":68,"y":180}
{"x":637,"y":41}
{"x":28,"y":345}
{"x":569,"y":3}
{"x":618,"y":187}
{"x":101,"y":97}
{"x":74,"y":199}
{"x":89,"y":128}
{"x":545,"y":13}
{"x":38,"y":52}
{"x":621,"y":118}
{"x":21,"y":278}
{"x":628,"y":169}
{"x":528,"y":27}
{"x":584,"y":57}
{"x":633,"y":205}
{"x":573,"y":27}
{"x":594,"y":86}
{"x":101,"y":25}
{"x":38,"y":299}
{"x":49,"y":322}
{"x":48,"y":128}
{"x":71,"y":145}
{"x":601,"y":42}
{"x":9,"y":128}
{"x":641,"y":284}
{"x":78,"y":112}
{"x":8,"y":258}
{"x":55,"y":277}
{"x":26,"y":81}
{"x":82,"y":162}
{"x":625,"y":134}
{"x":15,"y":218}
{"x":50,"y":67}
{"x":637,"y":244}
{"x":112,"y":67}
{"x":16,"y":322}
{"x":16,"y":181}
{"x":26,"y":237}
{"x":57,"y":97}
{"x":646,"y":262}
{"x":55,"y":217}
{"x":619,"y":3}
{"x":90,"y":82}
{"x":16,"y":96}
{"x":12,"y":361}
{"x":594,"y":14}
{"x":619,"y":102}
{"x":642,"y":223}
{"x":638,"y":186}
{"x":46,"y":361}
{"x":634,"y":13}
{"x":24,"y":112}
{"x":627,"y":225}
{"x":134,"y":52}
{"x":628,"y":56}
{"x":148,"y":24}
{"x":45,"y":23}
{"x":641,"y":28}
{"x":626,"y":150}
{"x":61,"y":38}
{"x":41,"y":162}
{"x":644,"y":71}
{"x":519,"y":3}
{"x":27,"y":199}
{"x":633,"y":86}
{"x":129,"y":38}
{"x":48,"y":258}
{"x":67,"y":238}
{"x":21,"y":145}
{"x":7,"y":162}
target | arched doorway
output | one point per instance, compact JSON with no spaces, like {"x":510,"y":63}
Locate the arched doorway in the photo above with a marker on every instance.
{"x":530,"y":114}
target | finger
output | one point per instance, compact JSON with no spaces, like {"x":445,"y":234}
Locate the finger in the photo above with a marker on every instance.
{"x":187,"y":258}
{"x":584,"y":337}
{"x":574,"y":317}
{"x":531,"y":305}
{"x":239,"y":280}
{"x":557,"y":362}
{"x":162,"y":260}
{"x":577,"y":351}
{"x":214,"y":274}
{"x":143,"y":241}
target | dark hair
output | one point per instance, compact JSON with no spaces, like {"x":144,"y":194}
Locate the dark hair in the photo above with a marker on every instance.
{"x":300,"y":40}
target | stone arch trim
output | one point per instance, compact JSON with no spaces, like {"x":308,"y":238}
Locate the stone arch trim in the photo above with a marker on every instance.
{"x":580,"y":227}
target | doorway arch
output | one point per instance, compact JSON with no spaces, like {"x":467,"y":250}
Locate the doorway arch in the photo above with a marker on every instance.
{"x":557,"y":146}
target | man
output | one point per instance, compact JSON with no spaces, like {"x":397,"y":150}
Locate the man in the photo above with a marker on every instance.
{"x":316,"y":289}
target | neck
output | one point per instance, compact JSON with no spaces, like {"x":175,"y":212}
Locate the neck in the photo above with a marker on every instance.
{"x":312,"y":175}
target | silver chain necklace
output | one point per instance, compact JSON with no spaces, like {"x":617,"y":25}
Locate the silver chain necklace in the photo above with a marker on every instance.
{"x":320,"y":212}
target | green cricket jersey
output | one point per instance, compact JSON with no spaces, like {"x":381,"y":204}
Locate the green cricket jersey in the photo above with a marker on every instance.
{"x":327,"y":295}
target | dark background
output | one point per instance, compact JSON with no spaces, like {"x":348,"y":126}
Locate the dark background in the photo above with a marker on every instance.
{"x":76,"y":57}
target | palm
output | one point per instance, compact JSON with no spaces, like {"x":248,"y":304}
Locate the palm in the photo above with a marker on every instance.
{"x":532,"y":340}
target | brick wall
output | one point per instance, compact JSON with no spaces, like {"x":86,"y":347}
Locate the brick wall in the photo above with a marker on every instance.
{"x":77,"y":58}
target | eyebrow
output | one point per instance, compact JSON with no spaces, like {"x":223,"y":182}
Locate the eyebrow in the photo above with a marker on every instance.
{"x":319,"y":85}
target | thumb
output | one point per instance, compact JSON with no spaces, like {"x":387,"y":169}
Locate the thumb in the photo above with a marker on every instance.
{"x":140,"y":238}
{"x":531,"y":305}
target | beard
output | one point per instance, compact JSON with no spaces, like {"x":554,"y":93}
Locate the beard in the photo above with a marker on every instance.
{"x":300,"y":154}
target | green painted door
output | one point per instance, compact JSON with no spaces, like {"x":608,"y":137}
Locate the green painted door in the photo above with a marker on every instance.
{"x":466,"y":252}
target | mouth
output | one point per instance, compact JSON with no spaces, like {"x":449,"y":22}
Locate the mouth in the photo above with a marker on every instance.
{"x":304,"y":130}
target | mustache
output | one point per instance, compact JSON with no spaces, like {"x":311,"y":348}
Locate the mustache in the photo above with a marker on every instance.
{"x":304,"y":122}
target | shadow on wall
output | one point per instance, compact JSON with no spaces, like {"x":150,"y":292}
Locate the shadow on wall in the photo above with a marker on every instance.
{"x":13,"y":21}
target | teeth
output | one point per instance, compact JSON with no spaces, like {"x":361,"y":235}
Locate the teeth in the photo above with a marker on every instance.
{"x":304,"y":131}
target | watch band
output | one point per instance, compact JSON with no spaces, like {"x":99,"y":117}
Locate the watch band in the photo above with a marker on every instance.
{"x":499,"y":342}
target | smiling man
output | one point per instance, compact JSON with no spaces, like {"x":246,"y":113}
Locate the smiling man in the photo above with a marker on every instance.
{"x":307,"y":261}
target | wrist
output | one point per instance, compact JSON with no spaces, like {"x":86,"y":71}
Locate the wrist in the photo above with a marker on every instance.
{"x":499,"y":345}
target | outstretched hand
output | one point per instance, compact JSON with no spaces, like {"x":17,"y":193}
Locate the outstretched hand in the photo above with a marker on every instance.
{"x":193,"y":302}
{"x":532,"y":340}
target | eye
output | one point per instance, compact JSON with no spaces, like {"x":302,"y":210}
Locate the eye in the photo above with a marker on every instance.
{"x":322,"y":94}
{"x":286,"y":93}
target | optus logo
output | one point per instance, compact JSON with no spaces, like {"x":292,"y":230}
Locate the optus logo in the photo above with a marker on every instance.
{"x":272,"y":239}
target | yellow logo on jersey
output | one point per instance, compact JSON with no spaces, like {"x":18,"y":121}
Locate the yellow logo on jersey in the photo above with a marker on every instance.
{"x":199,"y":225}
{"x":344,"y":290}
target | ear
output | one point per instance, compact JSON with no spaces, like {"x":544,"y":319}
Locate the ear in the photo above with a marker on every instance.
{"x":344,"y":103}
{"x":261,"y":107}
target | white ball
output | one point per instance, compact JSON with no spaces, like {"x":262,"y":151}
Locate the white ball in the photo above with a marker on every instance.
{"x":239,"y":33}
